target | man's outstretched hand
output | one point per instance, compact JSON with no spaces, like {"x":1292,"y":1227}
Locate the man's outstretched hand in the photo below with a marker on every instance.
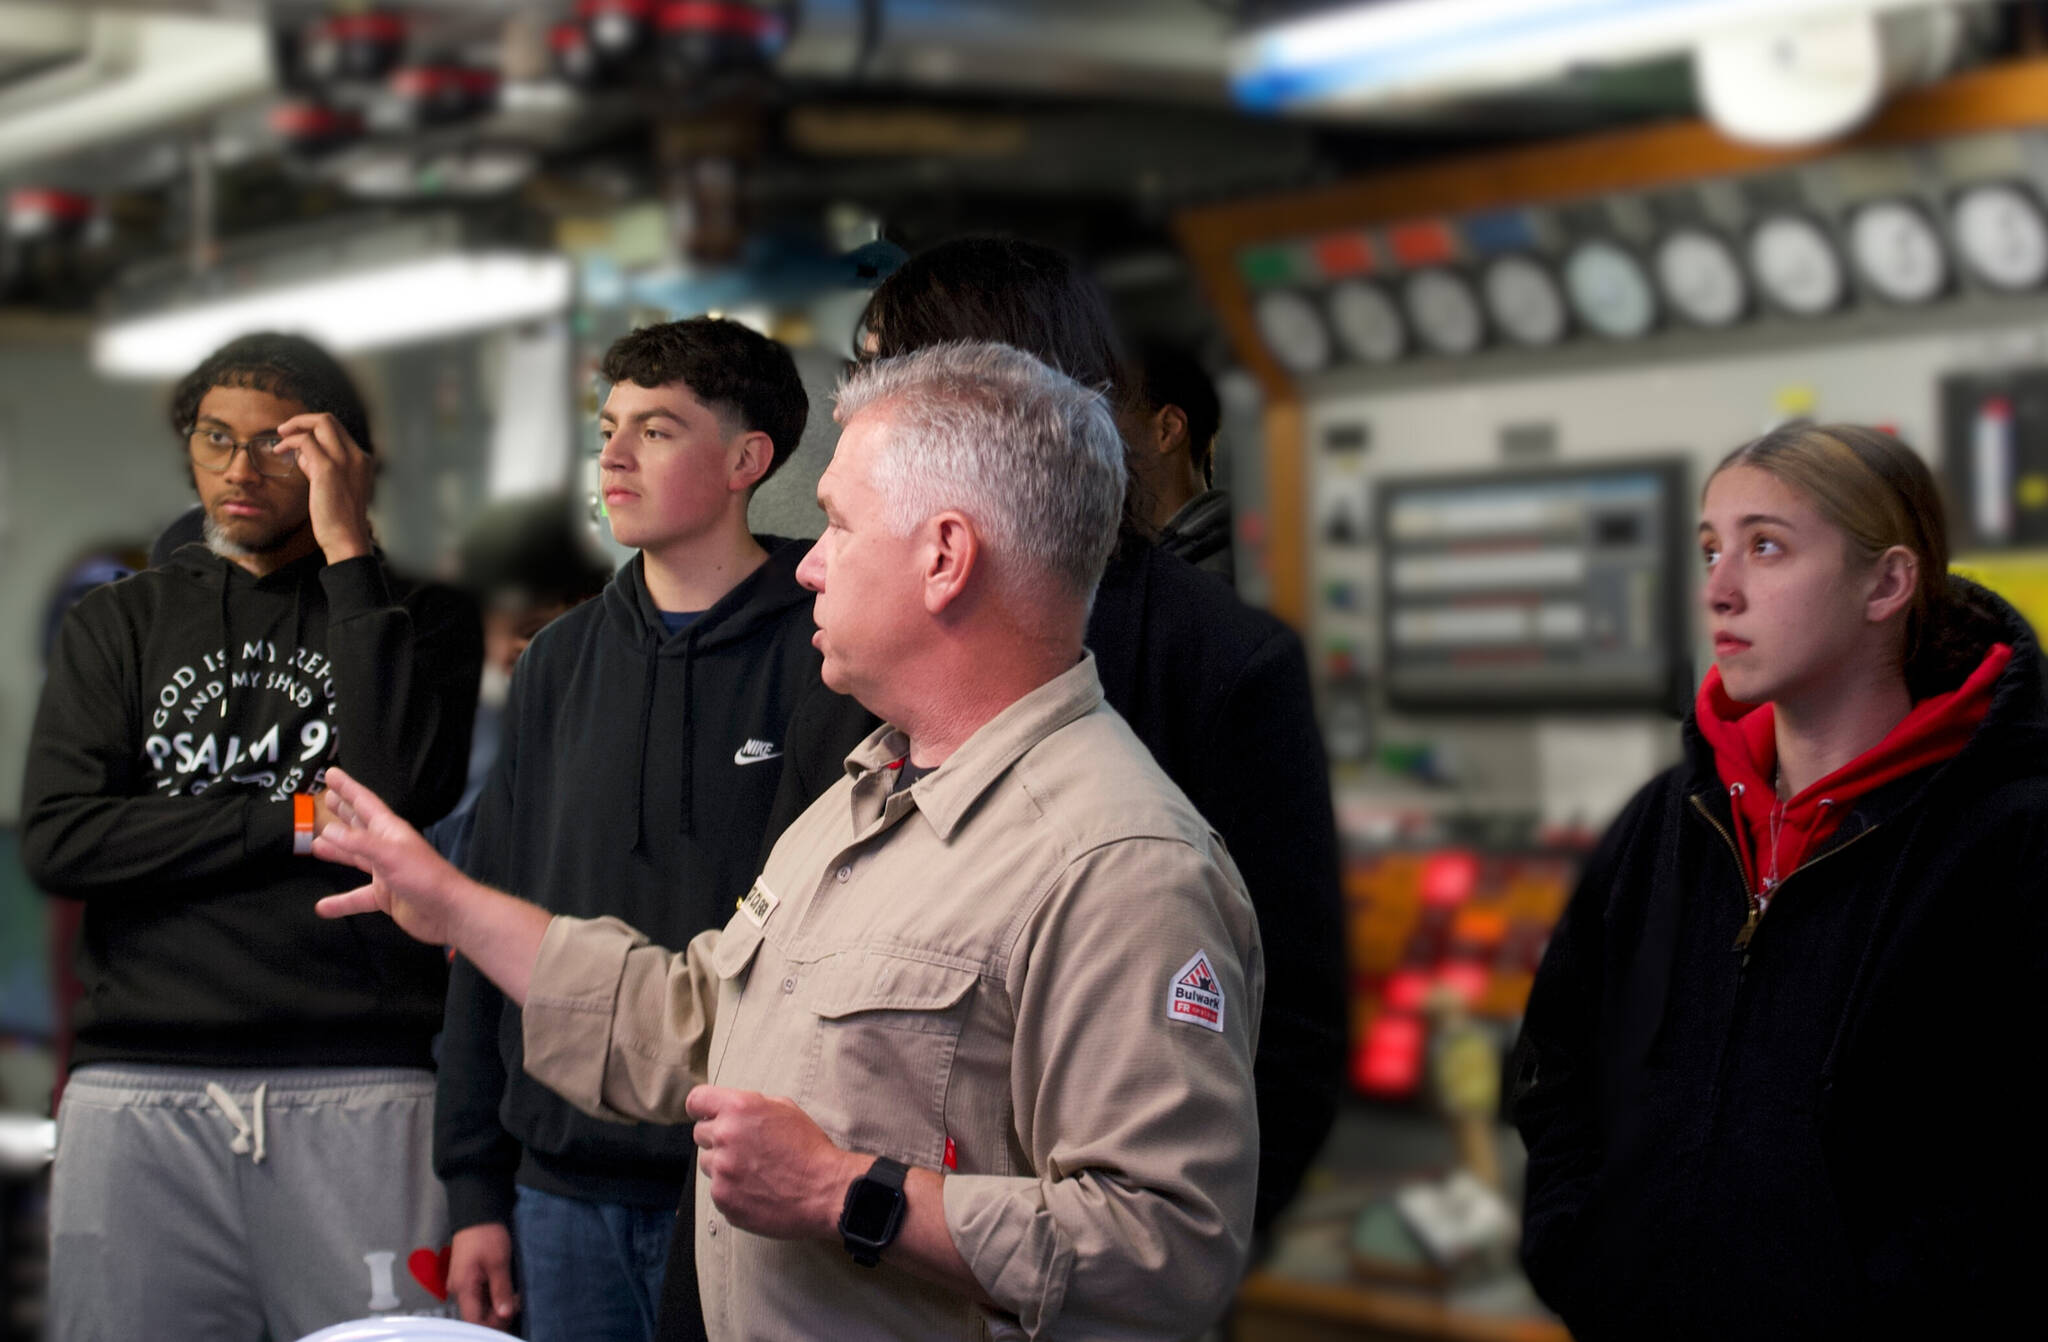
{"x":408,"y":879}
{"x":428,"y":898}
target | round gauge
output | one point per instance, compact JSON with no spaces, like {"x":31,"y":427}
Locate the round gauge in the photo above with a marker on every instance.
{"x":1445,"y":311}
{"x":1524,"y":301}
{"x":1701,"y":278}
{"x":2002,"y":235}
{"x":1293,"y":331}
{"x":1796,"y":266}
{"x":1610,"y":290}
{"x":1897,"y":252}
{"x":1367,"y":322}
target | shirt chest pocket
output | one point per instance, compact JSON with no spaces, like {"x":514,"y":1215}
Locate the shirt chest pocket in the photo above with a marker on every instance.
{"x":882,"y":1054}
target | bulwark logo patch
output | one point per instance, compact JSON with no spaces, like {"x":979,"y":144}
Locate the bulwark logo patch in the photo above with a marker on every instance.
{"x":1195,"y":996}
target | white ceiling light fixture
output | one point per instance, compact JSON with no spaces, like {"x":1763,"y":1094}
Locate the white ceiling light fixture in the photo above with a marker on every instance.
{"x":370,"y":309}
{"x":1770,"y":71}
{"x":1821,"y":75}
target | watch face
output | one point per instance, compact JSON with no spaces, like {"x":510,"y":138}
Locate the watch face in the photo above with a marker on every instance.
{"x":1796,"y":266}
{"x":1368,"y":325}
{"x":2000,"y":232}
{"x":1524,"y":301}
{"x":1445,"y":311}
{"x":1897,"y":252}
{"x":1701,"y":278}
{"x":1293,"y":331}
{"x":1609,"y":290}
{"x":871,"y":1208}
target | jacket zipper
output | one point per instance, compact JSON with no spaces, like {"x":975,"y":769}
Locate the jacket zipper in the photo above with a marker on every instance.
{"x":1756,"y":908}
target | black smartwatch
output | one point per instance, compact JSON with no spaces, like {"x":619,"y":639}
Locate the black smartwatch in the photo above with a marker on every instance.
{"x":874,"y":1210}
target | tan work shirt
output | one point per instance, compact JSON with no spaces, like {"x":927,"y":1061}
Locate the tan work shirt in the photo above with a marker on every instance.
{"x":1039,"y":952}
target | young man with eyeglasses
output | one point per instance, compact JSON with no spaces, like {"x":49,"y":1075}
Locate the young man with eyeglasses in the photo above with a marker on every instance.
{"x":243,"y":1149}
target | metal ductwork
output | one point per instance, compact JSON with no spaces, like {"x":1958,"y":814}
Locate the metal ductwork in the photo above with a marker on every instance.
{"x":84,"y":79}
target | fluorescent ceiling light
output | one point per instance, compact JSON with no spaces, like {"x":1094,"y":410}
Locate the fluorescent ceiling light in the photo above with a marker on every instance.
{"x":1410,"y":50}
{"x":394,"y":305}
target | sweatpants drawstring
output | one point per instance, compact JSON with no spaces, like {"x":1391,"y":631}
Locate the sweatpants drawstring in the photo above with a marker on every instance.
{"x":248,"y":1140}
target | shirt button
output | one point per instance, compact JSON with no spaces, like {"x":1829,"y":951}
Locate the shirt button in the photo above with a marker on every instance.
{"x":789,"y":985}
{"x":843,"y":875}
{"x":714,"y":1227}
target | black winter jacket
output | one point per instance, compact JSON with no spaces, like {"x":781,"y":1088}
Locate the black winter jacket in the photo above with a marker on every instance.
{"x":1218,"y":691}
{"x":1824,"y":1136}
{"x":635,"y":779}
{"x":184,"y":708}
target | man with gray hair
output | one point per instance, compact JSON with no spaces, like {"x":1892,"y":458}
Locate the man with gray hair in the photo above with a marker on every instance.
{"x":973,"y":1057}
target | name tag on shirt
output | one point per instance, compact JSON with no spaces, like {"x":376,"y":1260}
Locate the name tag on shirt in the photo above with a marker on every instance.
{"x":758,"y":903}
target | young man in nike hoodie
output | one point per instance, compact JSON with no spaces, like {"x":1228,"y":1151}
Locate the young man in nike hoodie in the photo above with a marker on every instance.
{"x":242,"y":1148}
{"x":643,"y":741}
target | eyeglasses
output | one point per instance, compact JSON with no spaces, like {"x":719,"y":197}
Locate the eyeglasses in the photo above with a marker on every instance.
{"x":214,"y":450}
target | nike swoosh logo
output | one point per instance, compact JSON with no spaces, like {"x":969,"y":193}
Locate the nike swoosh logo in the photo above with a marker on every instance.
{"x":753,"y":752}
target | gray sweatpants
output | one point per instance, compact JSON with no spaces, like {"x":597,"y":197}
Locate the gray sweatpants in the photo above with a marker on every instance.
{"x":239,"y":1205}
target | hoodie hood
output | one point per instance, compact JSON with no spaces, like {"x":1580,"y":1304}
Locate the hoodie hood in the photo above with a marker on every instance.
{"x":762,"y":599}
{"x":1738,"y":742}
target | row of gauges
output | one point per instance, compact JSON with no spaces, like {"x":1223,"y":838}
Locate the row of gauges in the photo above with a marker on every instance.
{"x":1603,"y":286}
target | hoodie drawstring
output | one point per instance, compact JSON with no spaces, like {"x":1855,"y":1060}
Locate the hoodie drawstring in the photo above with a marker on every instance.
{"x":248,"y":1138}
{"x":651,"y":669}
{"x":689,"y":735}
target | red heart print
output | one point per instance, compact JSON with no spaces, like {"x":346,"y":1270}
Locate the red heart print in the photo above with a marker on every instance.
{"x":430,"y":1270}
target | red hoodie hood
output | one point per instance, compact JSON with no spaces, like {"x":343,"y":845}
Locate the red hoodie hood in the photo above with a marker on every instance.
{"x":1774,"y":837}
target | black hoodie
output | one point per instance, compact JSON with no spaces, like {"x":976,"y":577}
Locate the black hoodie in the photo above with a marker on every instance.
{"x":1824,"y":1133}
{"x":184,"y":708}
{"x":635,"y":780}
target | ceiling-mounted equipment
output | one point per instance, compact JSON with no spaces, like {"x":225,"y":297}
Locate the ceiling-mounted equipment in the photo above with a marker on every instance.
{"x":1801,"y":79}
{"x":1768,"y":71}
{"x":697,"y":38}
{"x":310,"y":125}
{"x":129,"y":74}
{"x":361,"y":48}
{"x":435,"y":93}
{"x":575,"y":59}
{"x":619,"y":31}
{"x":43,"y":261}
{"x":423,"y":299}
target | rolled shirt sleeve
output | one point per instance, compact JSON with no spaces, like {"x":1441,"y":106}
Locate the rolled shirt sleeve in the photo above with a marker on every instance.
{"x":618,"y":1027}
{"x":1142,"y":1127}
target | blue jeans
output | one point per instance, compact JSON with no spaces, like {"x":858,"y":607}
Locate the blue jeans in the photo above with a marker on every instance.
{"x":589,"y":1271}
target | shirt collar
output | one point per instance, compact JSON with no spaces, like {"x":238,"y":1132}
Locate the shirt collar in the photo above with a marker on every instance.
{"x":947,"y":793}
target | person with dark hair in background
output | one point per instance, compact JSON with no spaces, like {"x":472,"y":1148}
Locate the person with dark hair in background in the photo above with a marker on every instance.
{"x":527,"y":565}
{"x":643,"y":736}
{"x":1767,"y":1077}
{"x":1217,"y":690}
{"x":242,"y":1147}
{"x":1174,"y":448}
